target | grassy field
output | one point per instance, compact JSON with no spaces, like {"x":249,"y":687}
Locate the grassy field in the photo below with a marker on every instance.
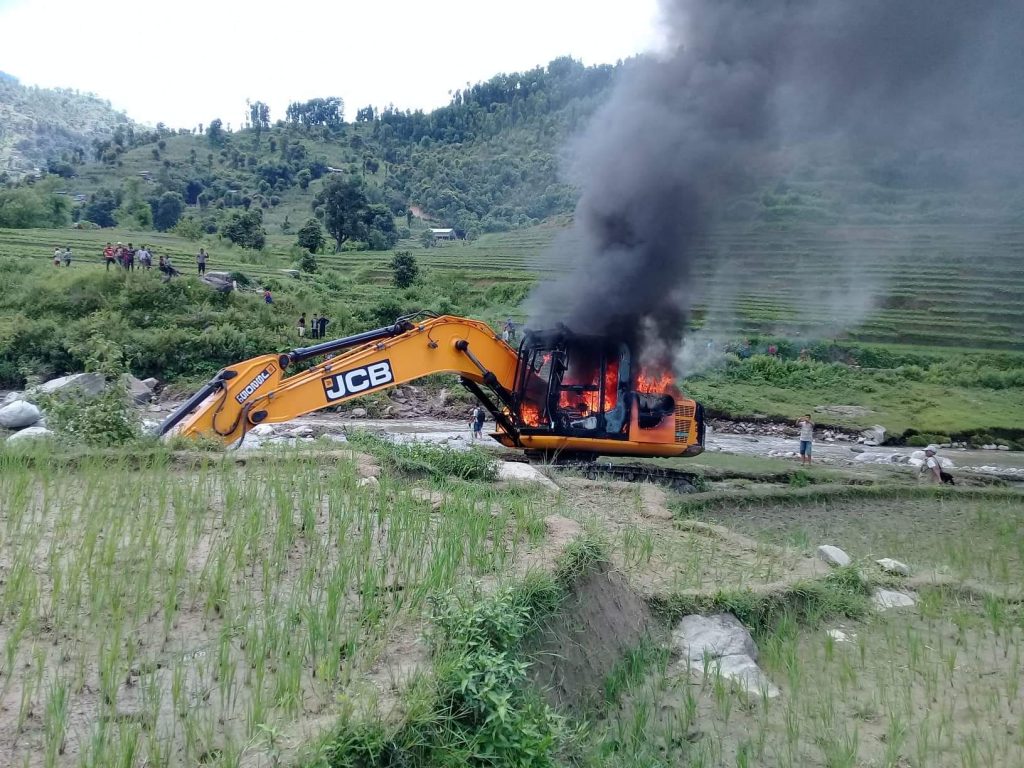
{"x":166,"y":615}
{"x":934,"y":685}
{"x":937,"y":350}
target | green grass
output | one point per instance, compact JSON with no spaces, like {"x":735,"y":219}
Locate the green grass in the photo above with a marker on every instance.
{"x":965,"y":536}
{"x":182,"y":616}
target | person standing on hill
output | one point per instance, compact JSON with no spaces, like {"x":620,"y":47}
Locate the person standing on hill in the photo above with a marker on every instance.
{"x":57,"y":256}
{"x":267,"y":297}
{"x":314,"y":327}
{"x":302,"y":325}
{"x":322,"y":326}
{"x":129,"y":258}
{"x":66,"y":256}
{"x":108,"y":256}
{"x":201,"y":259}
{"x":145,"y":257}
{"x":806,"y":438}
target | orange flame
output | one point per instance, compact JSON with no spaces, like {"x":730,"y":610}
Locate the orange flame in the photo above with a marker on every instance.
{"x":648,"y":382}
{"x":530,"y":414}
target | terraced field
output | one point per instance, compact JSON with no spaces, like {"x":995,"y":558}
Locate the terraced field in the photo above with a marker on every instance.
{"x":934,"y":285}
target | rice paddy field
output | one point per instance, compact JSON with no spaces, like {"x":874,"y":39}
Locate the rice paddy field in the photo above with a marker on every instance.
{"x":170,"y":609}
{"x":156,"y":614}
{"x":935,"y":285}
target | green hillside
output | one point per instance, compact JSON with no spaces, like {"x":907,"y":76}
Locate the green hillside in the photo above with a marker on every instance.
{"x":39,"y":125}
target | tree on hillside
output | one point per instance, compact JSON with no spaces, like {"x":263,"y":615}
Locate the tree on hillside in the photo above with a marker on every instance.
{"x":215,"y":131}
{"x":346,"y":210}
{"x":246,"y":229}
{"x":168,"y":210}
{"x":100,"y":208}
{"x":404,"y":269}
{"x":259,"y":116}
{"x":329,"y":112}
{"x":311,"y":236}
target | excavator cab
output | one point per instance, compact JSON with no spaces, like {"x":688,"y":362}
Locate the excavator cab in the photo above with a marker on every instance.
{"x":577,"y":394}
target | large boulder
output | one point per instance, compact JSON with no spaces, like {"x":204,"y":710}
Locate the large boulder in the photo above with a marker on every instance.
{"x":137,"y":390}
{"x":86,"y":383}
{"x":833,"y":555}
{"x":874,"y":435}
{"x":30,"y":433}
{"x":18,"y":415}
{"x":518,"y":472}
{"x":722,"y":644}
{"x":10,"y":397}
{"x":92,"y":384}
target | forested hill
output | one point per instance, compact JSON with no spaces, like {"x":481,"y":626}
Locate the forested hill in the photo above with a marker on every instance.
{"x":488,"y":161}
{"x":40,"y":124}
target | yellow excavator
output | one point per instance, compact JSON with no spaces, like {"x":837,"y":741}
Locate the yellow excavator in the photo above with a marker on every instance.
{"x":559,"y":396}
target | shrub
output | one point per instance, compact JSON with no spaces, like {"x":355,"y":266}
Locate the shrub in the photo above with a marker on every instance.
{"x":404,"y":269}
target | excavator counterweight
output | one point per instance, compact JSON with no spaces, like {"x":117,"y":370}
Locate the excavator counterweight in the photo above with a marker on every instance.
{"x":559,"y":393}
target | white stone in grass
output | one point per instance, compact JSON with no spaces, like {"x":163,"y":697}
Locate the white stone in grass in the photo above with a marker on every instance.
{"x":368,"y":482}
{"x":358,"y":413}
{"x":833,"y":555}
{"x":87,"y":383}
{"x":889,"y":565}
{"x":518,"y":472}
{"x":884,"y":599}
{"x":721,"y":644}
{"x":19,"y":414}
{"x":10,"y":397}
{"x":839,"y":636}
{"x":30,"y":433}
{"x":262,"y":430}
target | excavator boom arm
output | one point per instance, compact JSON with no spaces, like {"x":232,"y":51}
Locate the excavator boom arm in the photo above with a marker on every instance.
{"x":256,"y":391}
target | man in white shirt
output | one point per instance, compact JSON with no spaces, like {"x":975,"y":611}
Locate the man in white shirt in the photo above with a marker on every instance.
{"x":932,"y":468}
{"x":806,"y":438}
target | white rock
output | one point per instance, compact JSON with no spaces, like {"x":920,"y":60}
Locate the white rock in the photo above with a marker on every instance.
{"x":87,"y":383}
{"x":720,"y":634}
{"x":137,"y":390}
{"x":722,"y":644}
{"x":10,"y":397}
{"x":1002,"y":447}
{"x":303,"y":430}
{"x":335,"y":438}
{"x":884,"y":599}
{"x":839,"y":636}
{"x":29,"y":433}
{"x":368,"y":482}
{"x":889,"y":565}
{"x":358,"y":413}
{"x":262,"y":430}
{"x":875,"y":434}
{"x":833,"y":555}
{"x":518,"y":472}
{"x":151,"y":382}
{"x":18,"y":415}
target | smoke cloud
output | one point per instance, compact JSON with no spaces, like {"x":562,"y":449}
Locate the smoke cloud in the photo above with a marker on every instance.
{"x":746,"y":91}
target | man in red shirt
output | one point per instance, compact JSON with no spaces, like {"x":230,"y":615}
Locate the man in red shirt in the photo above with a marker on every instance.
{"x":108,"y":256}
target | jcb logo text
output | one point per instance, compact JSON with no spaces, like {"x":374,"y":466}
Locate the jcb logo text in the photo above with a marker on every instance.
{"x":358,"y":380}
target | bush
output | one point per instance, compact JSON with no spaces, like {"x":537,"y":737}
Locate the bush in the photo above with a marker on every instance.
{"x":404,"y":269}
{"x":307,"y":262}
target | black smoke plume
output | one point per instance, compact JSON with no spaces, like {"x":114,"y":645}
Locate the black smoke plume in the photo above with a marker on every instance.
{"x":745,"y":91}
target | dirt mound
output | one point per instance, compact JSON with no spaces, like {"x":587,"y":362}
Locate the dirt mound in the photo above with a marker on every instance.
{"x":575,"y":650}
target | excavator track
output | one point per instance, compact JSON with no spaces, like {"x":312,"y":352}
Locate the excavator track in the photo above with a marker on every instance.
{"x":674,"y":479}
{"x":677,"y":480}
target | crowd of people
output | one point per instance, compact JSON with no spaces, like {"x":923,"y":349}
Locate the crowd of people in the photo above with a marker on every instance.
{"x":126,"y":257}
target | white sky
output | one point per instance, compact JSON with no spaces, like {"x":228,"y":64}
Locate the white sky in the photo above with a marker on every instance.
{"x":185,"y":62}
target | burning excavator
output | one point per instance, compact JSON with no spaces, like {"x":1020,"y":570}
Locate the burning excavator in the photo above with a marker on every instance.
{"x":560,"y":396}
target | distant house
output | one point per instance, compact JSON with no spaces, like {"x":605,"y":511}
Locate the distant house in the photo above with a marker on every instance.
{"x":443,"y":234}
